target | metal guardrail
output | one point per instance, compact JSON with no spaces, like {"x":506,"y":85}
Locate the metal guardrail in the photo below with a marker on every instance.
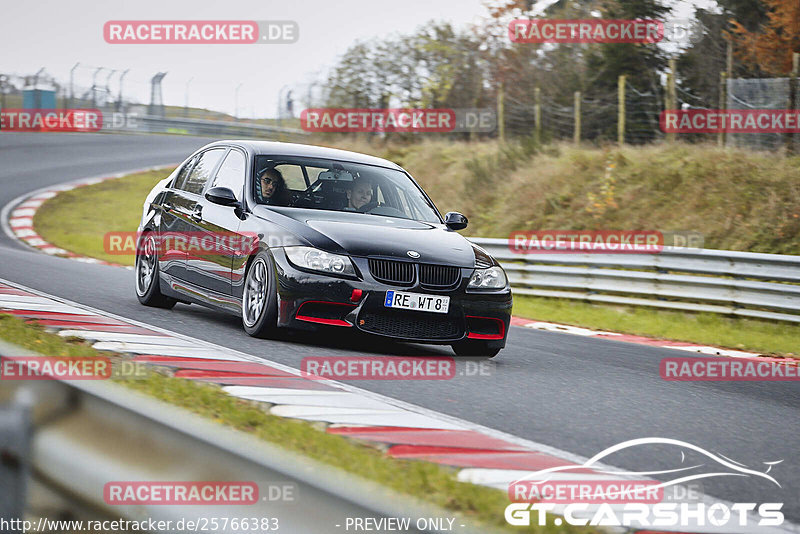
{"x":118,"y":122}
{"x":211,"y":127}
{"x":720,"y":281}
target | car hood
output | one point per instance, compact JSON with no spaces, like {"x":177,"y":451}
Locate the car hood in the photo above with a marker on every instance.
{"x":359,"y":234}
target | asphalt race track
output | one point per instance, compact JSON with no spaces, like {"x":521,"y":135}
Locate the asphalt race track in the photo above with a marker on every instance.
{"x":576,"y":394}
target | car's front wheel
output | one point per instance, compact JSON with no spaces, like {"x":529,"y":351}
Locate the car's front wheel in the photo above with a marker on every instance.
{"x":476,"y":348}
{"x":259,"y":297}
{"x":148,"y":289}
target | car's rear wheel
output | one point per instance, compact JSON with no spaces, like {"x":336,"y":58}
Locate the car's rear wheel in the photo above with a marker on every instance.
{"x":148,"y":289}
{"x":476,"y":348}
{"x":259,"y":298}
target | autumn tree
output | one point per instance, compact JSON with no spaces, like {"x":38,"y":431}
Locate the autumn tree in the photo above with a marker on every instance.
{"x":771,"y":46}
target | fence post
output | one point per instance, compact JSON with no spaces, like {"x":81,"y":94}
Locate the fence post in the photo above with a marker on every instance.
{"x":621,"y":110}
{"x":791,"y":137}
{"x":3,"y":79}
{"x":537,"y":115}
{"x":576,"y":134}
{"x":723,"y":104}
{"x":15,"y":444}
{"x":672,"y":96}
{"x":501,"y":118}
{"x":729,"y":59}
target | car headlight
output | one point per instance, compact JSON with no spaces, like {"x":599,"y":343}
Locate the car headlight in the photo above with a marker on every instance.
{"x":491,"y":278}
{"x":319,"y":260}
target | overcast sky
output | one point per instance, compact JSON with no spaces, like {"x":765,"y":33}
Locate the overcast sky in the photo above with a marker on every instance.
{"x":56,"y":34}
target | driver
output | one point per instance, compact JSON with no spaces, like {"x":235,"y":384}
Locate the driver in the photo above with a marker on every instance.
{"x":359,"y":194}
{"x":273,"y":188}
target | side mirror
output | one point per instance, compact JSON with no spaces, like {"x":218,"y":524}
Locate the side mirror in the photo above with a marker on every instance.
{"x":222,"y":196}
{"x":455,"y":221}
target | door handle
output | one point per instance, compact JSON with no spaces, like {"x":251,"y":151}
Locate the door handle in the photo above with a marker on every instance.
{"x":197,"y":214}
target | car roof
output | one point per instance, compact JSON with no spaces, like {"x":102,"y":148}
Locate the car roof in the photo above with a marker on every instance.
{"x":275,"y":148}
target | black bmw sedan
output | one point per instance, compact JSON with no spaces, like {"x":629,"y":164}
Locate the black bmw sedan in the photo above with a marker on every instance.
{"x":289,"y":235}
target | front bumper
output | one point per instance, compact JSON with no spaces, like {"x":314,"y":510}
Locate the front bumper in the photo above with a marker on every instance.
{"x":306,"y":299}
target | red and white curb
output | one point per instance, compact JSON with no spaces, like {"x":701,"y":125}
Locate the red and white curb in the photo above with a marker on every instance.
{"x":641,"y":340}
{"x":484,"y":456}
{"x":17,"y":216}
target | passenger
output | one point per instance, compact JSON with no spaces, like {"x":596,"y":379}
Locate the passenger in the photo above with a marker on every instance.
{"x":359,"y":195}
{"x":273,"y":188}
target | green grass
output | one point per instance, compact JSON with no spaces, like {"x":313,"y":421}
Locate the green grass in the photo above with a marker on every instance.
{"x":739,"y":199}
{"x":430,"y":482}
{"x":77,"y":220}
{"x":707,"y":328}
{"x":33,"y":337}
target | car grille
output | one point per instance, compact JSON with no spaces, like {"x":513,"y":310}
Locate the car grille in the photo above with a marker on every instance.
{"x":392,"y":272}
{"x":402,"y":273}
{"x":410,"y":326}
{"x":438,"y":276}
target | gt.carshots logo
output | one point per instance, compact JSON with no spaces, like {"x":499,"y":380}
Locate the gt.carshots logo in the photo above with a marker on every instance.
{"x":585,"y":31}
{"x":377,"y":120}
{"x":593,"y":493}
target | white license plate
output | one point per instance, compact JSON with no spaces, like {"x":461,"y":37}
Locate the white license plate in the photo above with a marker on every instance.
{"x":416,"y":301}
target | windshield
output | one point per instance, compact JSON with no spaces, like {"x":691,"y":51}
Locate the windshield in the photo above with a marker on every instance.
{"x":340,"y":186}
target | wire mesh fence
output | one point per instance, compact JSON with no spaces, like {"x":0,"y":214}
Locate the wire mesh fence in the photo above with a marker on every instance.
{"x":760,"y":93}
{"x":596,"y":117}
{"x":133,"y":101}
{"x":550,"y":114}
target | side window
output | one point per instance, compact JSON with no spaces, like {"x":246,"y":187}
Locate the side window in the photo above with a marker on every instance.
{"x":231,"y":173}
{"x":293,"y":176}
{"x":201,"y":172}
{"x":313,"y":173}
{"x":183,"y":173}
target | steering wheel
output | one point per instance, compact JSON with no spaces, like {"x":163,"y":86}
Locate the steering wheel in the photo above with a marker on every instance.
{"x":368,"y":206}
{"x":305,"y":198}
